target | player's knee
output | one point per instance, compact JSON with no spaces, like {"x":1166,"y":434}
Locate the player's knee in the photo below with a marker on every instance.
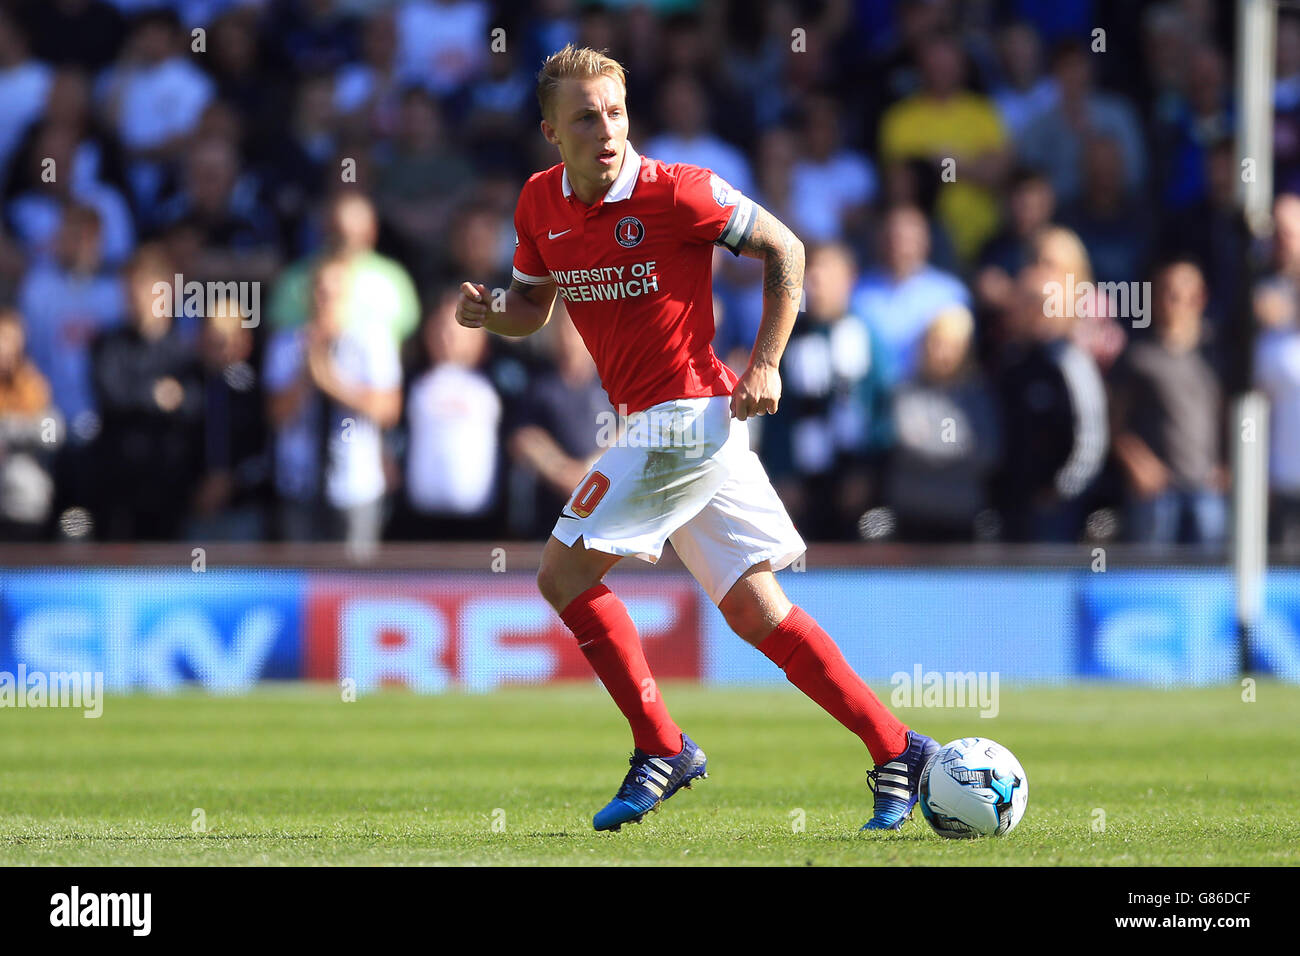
{"x":560,"y":584}
{"x":746,"y":619}
{"x":549,"y":583}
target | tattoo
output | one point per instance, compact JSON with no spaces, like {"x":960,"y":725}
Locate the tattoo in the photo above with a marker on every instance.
{"x":540,"y":294}
{"x":782,"y":255}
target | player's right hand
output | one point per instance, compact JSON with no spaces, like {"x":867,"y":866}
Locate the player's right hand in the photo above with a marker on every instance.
{"x":472,"y":309}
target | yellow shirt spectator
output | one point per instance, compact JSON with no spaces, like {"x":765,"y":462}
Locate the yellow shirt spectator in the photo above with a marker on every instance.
{"x":962,"y":127}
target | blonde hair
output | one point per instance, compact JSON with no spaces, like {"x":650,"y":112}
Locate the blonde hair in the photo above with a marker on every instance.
{"x":1071,"y":246}
{"x":954,"y":321}
{"x":579,"y":63}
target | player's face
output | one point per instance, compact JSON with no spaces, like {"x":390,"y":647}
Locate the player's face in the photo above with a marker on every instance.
{"x":589,"y":125}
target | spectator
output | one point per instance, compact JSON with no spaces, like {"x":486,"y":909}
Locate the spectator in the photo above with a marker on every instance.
{"x":1096,"y":331}
{"x":236,"y":59}
{"x":960,"y":134}
{"x":155,"y":97}
{"x":1113,"y":223}
{"x":831,"y":185}
{"x":774,"y":73}
{"x":441,"y":43}
{"x":1211,"y":234}
{"x":1023,"y":92}
{"x":332,"y":389}
{"x":888,"y":72}
{"x":368,"y":94}
{"x":687,"y":136}
{"x":554,"y":435}
{"x":1277,"y":372}
{"x":303,"y":165}
{"x":1055,"y":141}
{"x":420,"y":178}
{"x":375,"y":134}
{"x":1030,"y":206}
{"x":947,"y":437}
{"x":913,"y":183}
{"x":29,"y":432}
{"x":484,"y":244}
{"x":24,"y":85}
{"x":380,"y":294}
{"x":150,"y":397}
{"x":1198,"y":119}
{"x":98,"y":154}
{"x":1277,"y":296}
{"x":229,"y":502}
{"x":898,"y":299}
{"x":453,"y":417}
{"x":65,"y":304}
{"x":1053,"y":408}
{"x":821,"y":451}
{"x":777,"y":151}
{"x":1168,"y":39}
{"x":496,"y":104}
{"x":236,"y":237}
{"x":1277,"y":360}
{"x":1166,"y":418}
{"x":37,"y":209}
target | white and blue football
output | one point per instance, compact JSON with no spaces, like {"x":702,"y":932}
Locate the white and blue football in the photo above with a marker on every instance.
{"x":973,"y":787}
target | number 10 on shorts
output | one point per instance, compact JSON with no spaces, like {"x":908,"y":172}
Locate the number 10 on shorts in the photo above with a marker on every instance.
{"x":589,"y":495}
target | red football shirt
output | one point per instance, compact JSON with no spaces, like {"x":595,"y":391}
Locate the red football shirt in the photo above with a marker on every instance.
{"x":636,"y":272}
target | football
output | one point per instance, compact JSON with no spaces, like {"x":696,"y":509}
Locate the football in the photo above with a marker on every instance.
{"x":973,"y":787}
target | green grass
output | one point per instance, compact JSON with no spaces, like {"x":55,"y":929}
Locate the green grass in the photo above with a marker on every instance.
{"x":294,"y":775}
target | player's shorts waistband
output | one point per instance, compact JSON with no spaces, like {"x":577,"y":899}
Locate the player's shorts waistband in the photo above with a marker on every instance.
{"x":699,"y":425}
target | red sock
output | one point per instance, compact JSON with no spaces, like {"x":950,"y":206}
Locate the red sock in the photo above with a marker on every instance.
{"x":608,"y":638}
{"x":814,"y":664}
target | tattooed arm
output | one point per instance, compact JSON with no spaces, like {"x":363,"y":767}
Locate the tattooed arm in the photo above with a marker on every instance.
{"x":520,"y":310}
{"x":759,"y":390}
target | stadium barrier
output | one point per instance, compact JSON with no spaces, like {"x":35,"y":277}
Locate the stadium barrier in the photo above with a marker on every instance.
{"x":152,"y":625}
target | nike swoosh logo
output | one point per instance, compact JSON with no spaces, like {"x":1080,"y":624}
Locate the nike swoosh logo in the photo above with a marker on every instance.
{"x":570,"y":517}
{"x":556,"y":235}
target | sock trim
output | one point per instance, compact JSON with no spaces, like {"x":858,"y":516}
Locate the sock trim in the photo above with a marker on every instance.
{"x":786,"y":637}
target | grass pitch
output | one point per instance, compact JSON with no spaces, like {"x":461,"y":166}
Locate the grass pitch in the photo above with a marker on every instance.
{"x":294,"y":775}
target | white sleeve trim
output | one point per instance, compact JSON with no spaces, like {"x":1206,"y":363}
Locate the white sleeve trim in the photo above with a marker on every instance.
{"x":739,"y":225}
{"x":531,"y":280}
{"x":1091,"y":436}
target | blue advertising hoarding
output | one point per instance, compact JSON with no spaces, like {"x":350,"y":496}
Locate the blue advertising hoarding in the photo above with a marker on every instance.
{"x":228,"y":629}
{"x":1018,"y":623}
{"x":151,"y":629}
{"x":1179,"y":627}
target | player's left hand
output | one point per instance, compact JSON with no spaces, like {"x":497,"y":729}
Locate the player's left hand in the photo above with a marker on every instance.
{"x":757,"y":393}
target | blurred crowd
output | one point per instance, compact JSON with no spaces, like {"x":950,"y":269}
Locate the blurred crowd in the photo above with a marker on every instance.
{"x":1026,"y":290}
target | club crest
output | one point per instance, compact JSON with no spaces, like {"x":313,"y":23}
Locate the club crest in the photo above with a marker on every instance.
{"x":629,"y":231}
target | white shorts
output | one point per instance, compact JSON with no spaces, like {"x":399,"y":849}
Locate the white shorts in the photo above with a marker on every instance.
{"x":682,"y":471}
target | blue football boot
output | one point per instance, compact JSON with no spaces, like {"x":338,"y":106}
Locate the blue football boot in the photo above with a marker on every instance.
{"x":895,"y":783}
{"x":650,"y":782}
